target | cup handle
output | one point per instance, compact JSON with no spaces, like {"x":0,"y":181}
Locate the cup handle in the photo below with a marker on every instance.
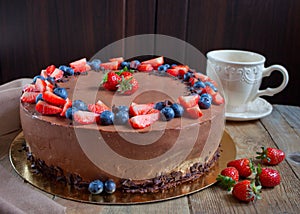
{"x":272,"y":91}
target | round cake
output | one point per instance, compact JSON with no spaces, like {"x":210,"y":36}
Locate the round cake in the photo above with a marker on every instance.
{"x":156,"y":148}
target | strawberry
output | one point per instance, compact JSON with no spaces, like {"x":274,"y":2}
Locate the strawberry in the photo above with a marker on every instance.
{"x":110,"y":81}
{"x":117,"y":59}
{"x":155,"y":63}
{"x":181,"y":69}
{"x":98,"y":108}
{"x":29,"y":88}
{"x":128,"y":85}
{"x":53,"y":99}
{"x":143,"y":121}
{"x":85,"y":117}
{"x":243,"y":165}
{"x":47,"y":109}
{"x":192,"y":80}
{"x":80,"y":65}
{"x":50,"y":69}
{"x":44,"y":74}
{"x":57,"y":74}
{"x":194,"y":112}
{"x":201,"y":76}
{"x":29,"y":97}
{"x":268,"y":177}
{"x":173,"y":72}
{"x":246,"y":191}
{"x":189,"y":101}
{"x":144,"y":67}
{"x":110,"y":65}
{"x":40,"y":85}
{"x":140,"y":109}
{"x":126,"y":74}
{"x":67,"y":105}
{"x":228,"y":178}
{"x":217,"y":99}
{"x":271,"y":156}
{"x":210,"y":91}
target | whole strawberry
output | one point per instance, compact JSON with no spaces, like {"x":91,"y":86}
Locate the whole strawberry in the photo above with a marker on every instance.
{"x":110,"y":81}
{"x":128,"y":85}
{"x":246,"y":191}
{"x":244,"y":166}
{"x":228,"y":178}
{"x":271,"y":156}
{"x":268,"y":177}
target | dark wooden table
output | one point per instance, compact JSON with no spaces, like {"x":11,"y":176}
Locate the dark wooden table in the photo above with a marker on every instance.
{"x":280,"y":129}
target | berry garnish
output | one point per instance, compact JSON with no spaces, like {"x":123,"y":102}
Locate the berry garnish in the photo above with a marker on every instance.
{"x":268,"y":177}
{"x":271,"y":156}
{"x":40,"y":85}
{"x":53,"y":99}
{"x":29,"y":97}
{"x":121,"y":118}
{"x":96,"y":187}
{"x":67,"y":105}
{"x":68,"y":71}
{"x":143,"y":121}
{"x":155,"y":63}
{"x":80,"y":65}
{"x":178,"y":109}
{"x":140,"y":109}
{"x":167,"y":113}
{"x":110,"y":65}
{"x":243,"y":165}
{"x":111,"y":80}
{"x":47,"y":109}
{"x":159,"y":105}
{"x":57,"y":74}
{"x":246,"y":191}
{"x":106,"y":118}
{"x":189,"y":101}
{"x":199,"y":84}
{"x":110,"y":186}
{"x":80,"y":105}
{"x":134,"y":64}
{"x":61,"y":92}
{"x":205,"y":101}
{"x":85,"y":117}
{"x":228,"y":178}
{"x":194,"y":112}
{"x":128,"y":85}
{"x":99,"y":107}
{"x":144,"y":67}
{"x":95,"y":64}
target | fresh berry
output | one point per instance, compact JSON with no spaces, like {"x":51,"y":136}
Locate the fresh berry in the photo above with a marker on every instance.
{"x":205,"y":101}
{"x":217,"y":99}
{"x":96,"y":187}
{"x":159,"y":105}
{"x":68,"y":71}
{"x":231,"y":172}
{"x":67,"y":105}
{"x":29,"y":97}
{"x":61,"y":92}
{"x":199,"y":84}
{"x":47,"y":109}
{"x":50,"y":69}
{"x":106,"y":118}
{"x":125,"y":64}
{"x":155,"y":63}
{"x":110,"y":65}
{"x":29,"y":88}
{"x":140,"y":109}
{"x":246,"y":191}
{"x":178,"y":109}
{"x":40,"y":85}
{"x":181,"y":70}
{"x":121,"y":117}
{"x":144,"y":67}
{"x":95,"y":64}
{"x":194,"y":112}
{"x":126,"y":74}
{"x":80,"y":105}
{"x":80,"y":65}
{"x":57,"y":74}
{"x":51,"y":80}
{"x":117,"y":59}
{"x":173,"y":72}
{"x":53,"y":99}
{"x":268,"y":177}
{"x":143,"y":121}
{"x":37,"y":77}
{"x":39,"y":97}
{"x":85,"y":117}
{"x":189,"y":101}
{"x":271,"y":156}
{"x":187,"y":76}
{"x":99,"y":107}
{"x":200,"y":76}
{"x":228,"y":177}
{"x":167,"y":113}
{"x":210,"y":84}
{"x":243,"y":165}
{"x":110,"y":186}
{"x":117,"y":109}
{"x":111,"y":80}
{"x":44,"y":74}
{"x":70,"y":112}
{"x":128,"y":85}
{"x":134,"y":64}
{"x":162,"y":68}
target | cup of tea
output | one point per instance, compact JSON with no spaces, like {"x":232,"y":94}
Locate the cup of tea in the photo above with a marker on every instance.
{"x":240,"y":73}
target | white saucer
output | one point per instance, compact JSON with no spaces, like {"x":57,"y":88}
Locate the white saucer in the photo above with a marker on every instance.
{"x":257,"y":109}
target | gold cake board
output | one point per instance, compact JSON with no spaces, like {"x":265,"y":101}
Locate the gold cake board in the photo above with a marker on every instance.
{"x":22,"y":166}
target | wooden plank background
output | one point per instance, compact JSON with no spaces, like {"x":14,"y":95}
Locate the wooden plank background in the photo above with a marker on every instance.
{"x":36,"y":33}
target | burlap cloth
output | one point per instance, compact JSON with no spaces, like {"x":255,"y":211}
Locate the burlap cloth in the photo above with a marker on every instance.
{"x":15,"y":195}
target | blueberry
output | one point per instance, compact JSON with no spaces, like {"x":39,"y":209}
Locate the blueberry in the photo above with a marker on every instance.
{"x":207,"y":95}
{"x":70,"y":112}
{"x":121,"y":117}
{"x":199,"y":84}
{"x":96,"y":187}
{"x":162,"y":68}
{"x":167,"y":113}
{"x":95,"y":64}
{"x":159,"y":105}
{"x":173,"y":65}
{"x":213,"y":87}
{"x":204,"y":102}
{"x":134,"y":64}
{"x":107,"y":118}
{"x":38,"y":77}
{"x":80,"y":105}
{"x":125,"y":64}
{"x":38,"y":98}
{"x":120,"y":108}
{"x":178,"y":109}
{"x":61,"y":92}
{"x":110,"y":186}
{"x":187,"y":76}
{"x":167,"y":66}
{"x":51,"y":80}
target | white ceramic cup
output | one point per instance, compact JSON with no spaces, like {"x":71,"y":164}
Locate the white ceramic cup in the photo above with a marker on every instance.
{"x":240,"y":73}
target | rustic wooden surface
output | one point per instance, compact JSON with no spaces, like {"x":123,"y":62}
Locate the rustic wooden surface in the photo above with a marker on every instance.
{"x":280,"y":129}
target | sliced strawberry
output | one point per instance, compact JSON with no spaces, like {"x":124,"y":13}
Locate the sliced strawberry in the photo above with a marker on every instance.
{"x":67,"y":105}
{"x":50,"y":69}
{"x":79,"y":65}
{"x":29,"y":97}
{"x":140,"y":109}
{"x":182,"y":69}
{"x":57,"y":74}
{"x":210,"y":91}
{"x":217,"y":99}
{"x":144,"y":67}
{"x":156,"y":62}
{"x":194,"y":112}
{"x":192,"y":80}
{"x":110,"y":65}
{"x":98,"y":108}
{"x":143,"y":121}
{"x":173,"y":72}
{"x":117,"y":59}
{"x":47,"y":109}
{"x":53,"y":99}
{"x":44,"y":74}
{"x":49,"y":86}
{"x":40,"y":85}
{"x":201,"y":76}
{"x":29,"y":88}
{"x":86,"y":117}
{"x":189,"y":101}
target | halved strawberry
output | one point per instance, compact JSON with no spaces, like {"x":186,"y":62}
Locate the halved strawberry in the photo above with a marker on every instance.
{"x":44,"y":74}
{"x":67,"y":105}
{"x":194,"y":112}
{"x":192,"y":80}
{"x":98,"y":108}
{"x":188,"y":101}
{"x":117,"y":59}
{"x":40,"y":85}
{"x":29,"y":88}
{"x":49,"y":86}
{"x":57,"y":74}
{"x":217,"y":99}
{"x":86,"y":117}
{"x":210,"y":91}
{"x":80,"y":65}
{"x":143,"y":121}
{"x":173,"y":72}
{"x":110,"y":65}
{"x":50,"y":69}
{"x":156,"y":62}
{"x":29,"y":97}
{"x":53,"y":99}
{"x":182,"y":69}
{"x":140,"y":109}
{"x":144,"y":67}
{"x":201,"y":76}
{"x":47,"y":109}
